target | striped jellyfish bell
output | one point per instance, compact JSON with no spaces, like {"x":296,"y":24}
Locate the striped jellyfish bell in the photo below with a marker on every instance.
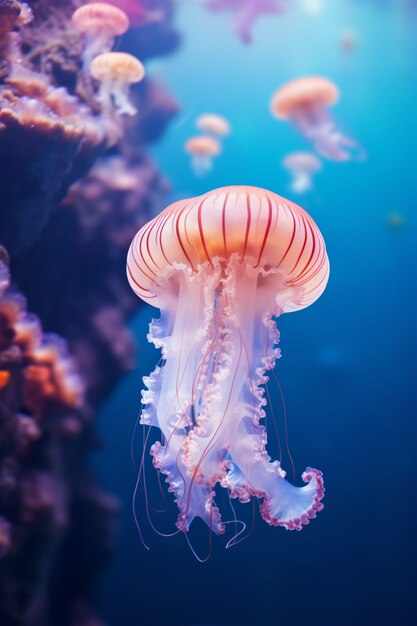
{"x":222,"y":267}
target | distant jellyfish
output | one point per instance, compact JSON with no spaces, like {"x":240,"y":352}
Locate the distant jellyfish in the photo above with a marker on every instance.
{"x":100,"y":22}
{"x":305,"y":103}
{"x":214,"y":125}
{"x":246,"y":12}
{"x":395,"y":220}
{"x":348,"y":40}
{"x":202,"y":149}
{"x":116,"y":71}
{"x":137,"y":12}
{"x":221,"y":268}
{"x":302,"y":166}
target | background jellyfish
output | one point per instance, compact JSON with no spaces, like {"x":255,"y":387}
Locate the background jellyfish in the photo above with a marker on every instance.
{"x":220,"y":267}
{"x":202,"y":150}
{"x":305,"y":102}
{"x":116,"y":71}
{"x":395,"y":220}
{"x":246,"y":12}
{"x":100,"y":23}
{"x":137,"y":11}
{"x":348,"y":40}
{"x":213,"y":125}
{"x":302,"y":166}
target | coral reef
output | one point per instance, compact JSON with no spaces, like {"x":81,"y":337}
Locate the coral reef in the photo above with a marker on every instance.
{"x":43,"y":430}
{"x":76,"y":183}
{"x":44,"y":128}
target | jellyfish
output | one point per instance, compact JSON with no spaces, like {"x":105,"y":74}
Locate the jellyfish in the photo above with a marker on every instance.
{"x":221,"y":268}
{"x":138,"y":14}
{"x":214,"y":125}
{"x":396,"y":220}
{"x":100,"y":23}
{"x":305,"y":103}
{"x":202,"y":149}
{"x":348,"y":40}
{"x":116,"y":71}
{"x":246,"y":13}
{"x":302,"y":166}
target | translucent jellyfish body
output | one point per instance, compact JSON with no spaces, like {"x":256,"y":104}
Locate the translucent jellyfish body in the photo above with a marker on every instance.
{"x":116,"y":71}
{"x":305,"y":102}
{"x":221,"y":267}
{"x":202,"y":150}
{"x":302,"y":166}
{"x":100,"y":23}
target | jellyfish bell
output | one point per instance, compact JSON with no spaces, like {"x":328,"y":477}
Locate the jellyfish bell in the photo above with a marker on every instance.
{"x":221,"y":267}
{"x":302,"y":166}
{"x":137,"y":12}
{"x":213,"y":125}
{"x":202,"y":149}
{"x":116,"y":71}
{"x":305,"y":102}
{"x":100,"y":23}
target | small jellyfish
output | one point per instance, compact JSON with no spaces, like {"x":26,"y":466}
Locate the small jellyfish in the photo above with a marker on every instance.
{"x":137,"y":12}
{"x":222,"y":268}
{"x":100,"y":22}
{"x":302,"y":166}
{"x":116,"y":71}
{"x":202,"y":149}
{"x":395,"y":220}
{"x":348,"y":40}
{"x":214,"y":125}
{"x":305,"y":102}
{"x":246,"y":12}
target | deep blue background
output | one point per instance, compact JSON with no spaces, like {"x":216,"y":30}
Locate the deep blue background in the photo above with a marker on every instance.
{"x":349,"y":362}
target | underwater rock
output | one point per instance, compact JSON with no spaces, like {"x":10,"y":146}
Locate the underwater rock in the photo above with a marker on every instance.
{"x":87,"y":239}
{"x":9,"y":18}
{"x":40,"y":477}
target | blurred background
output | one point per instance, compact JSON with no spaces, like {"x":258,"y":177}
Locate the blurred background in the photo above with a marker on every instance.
{"x":349,"y":362}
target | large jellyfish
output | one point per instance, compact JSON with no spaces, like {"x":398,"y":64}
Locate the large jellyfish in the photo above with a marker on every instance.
{"x":246,"y":12}
{"x":221,"y":267}
{"x":305,"y":102}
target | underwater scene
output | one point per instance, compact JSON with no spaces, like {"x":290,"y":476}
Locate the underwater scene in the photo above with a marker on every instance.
{"x":208,"y":313}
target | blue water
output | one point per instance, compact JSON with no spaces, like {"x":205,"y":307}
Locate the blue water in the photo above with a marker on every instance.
{"x":349,"y":362}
